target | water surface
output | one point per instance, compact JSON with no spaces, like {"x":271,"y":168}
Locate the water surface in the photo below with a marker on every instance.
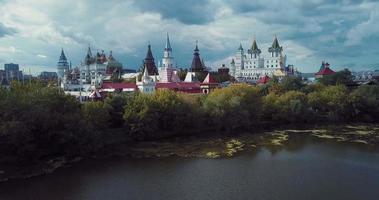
{"x":306,"y":170}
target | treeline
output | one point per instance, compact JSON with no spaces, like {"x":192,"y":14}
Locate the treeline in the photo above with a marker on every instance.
{"x":38,"y":122}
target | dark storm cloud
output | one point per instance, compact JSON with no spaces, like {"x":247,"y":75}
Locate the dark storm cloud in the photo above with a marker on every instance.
{"x":4,"y":30}
{"x":187,"y":12}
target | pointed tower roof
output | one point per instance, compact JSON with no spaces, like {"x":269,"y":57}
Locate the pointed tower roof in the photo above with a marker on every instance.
{"x":111,"y":58}
{"x":168,"y":44}
{"x":254,"y":46}
{"x":149,"y":54}
{"x":197,"y":64}
{"x":275,"y":43}
{"x":149,"y":62}
{"x":145,"y":73}
{"x":63,"y":56}
{"x":232,"y":63}
{"x":209,"y":80}
{"x":275,"y":46}
{"x":196,"y":48}
{"x":89,"y":52}
{"x":240,"y":47}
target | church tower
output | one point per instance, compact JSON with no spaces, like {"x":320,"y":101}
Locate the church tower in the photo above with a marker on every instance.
{"x":168,"y":60}
{"x":149,"y":62}
{"x":239,"y":61}
{"x":232,"y":67}
{"x":167,"y":67}
{"x":197,"y":64}
{"x":62,"y":66}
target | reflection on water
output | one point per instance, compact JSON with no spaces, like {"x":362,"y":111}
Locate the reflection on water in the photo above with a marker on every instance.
{"x":303,"y":169}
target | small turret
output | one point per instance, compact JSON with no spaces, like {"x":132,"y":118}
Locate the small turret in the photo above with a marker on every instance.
{"x":275,"y":48}
{"x":197,"y":64}
{"x":254,"y":51}
{"x":89,"y":59}
{"x":240,"y":48}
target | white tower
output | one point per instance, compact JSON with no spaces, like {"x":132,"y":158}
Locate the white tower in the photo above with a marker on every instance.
{"x":239,"y":61}
{"x":62,"y":66}
{"x":232,"y":71}
{"x":167,"y":67}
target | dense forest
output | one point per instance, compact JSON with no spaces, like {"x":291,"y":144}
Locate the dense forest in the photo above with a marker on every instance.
{"x":39,"y":122}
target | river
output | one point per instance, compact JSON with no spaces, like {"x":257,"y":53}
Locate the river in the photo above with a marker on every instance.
{"x":311,"y":169}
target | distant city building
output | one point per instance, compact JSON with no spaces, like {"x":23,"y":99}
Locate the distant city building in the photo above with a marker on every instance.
{"x":12,"y":72}
{"x":324,"y":70}
{"x":3,"y":79}
{"x":48,"y":75}
{"x":252,"y":65}
{"x":197,"y":62}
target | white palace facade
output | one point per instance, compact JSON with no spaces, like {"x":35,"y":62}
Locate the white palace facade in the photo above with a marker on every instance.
{"x":251,"y":64}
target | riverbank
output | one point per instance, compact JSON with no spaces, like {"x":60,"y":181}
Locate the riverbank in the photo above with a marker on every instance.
{"x":210,"y":147}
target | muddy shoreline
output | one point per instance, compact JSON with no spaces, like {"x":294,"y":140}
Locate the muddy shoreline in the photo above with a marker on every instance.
{"x":210,"y":147}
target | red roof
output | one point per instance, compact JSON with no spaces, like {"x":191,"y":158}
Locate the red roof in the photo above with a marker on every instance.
{"x":178,"y":85}
{"x":209,"y":80}
{"x":119,"y":86}
{"x":263,"y":80}
{"x":325,"y":71}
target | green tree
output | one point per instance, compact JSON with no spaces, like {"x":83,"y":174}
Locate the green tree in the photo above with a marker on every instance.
{"x":292,"y":83}
{"x":116,"y":104}
{"x":157,"y":115}
{"x":97,"y":114}
{"x":365,"y":101}
{"x":331,"y":102}
{"x":342,"y":77}
{"x":234,"y":107}
{"x":288,"y":107}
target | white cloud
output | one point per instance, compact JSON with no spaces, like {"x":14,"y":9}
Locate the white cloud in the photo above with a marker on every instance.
{"x":305,"y":29}
{"x":364,"y":29}
{"x":41,"y":56}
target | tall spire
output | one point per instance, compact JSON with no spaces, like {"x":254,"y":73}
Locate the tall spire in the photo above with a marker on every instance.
{"x":197,"y":64}
{"x":168,"y":44}
{"x":89,"y":52}
{"x":149,"y":54}
{"x":196,"y":48}
{"x":63,"y":56}
{"x":149,"y":62}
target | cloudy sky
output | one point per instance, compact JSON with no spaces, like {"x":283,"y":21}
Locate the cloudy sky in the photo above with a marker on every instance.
{"x":343,"y":32}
